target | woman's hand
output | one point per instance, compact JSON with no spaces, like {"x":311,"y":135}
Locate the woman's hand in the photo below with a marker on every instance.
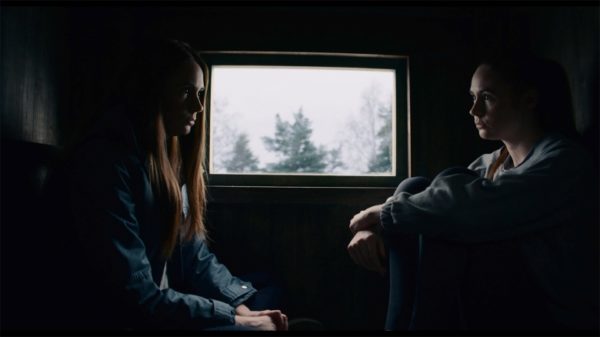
{"x":368,"y":251}
{"x":264,"y":323}
{"x":250,"y":318}
{"x":243,"y":310}
{"x":366,"y":219}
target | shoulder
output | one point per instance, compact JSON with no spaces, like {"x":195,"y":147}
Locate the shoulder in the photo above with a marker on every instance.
{"x":556,"y":143}
{"x":556,"y":149}
{"x":564,"y":160}
{"x":483,"y":162}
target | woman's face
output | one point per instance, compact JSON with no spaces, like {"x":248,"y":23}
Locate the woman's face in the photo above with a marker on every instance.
{"x":497,"y":111}
{"x":182,"y":100}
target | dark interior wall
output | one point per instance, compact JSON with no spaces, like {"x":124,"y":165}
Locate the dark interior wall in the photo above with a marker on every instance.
{"x":570,"y":36}
{"x":299,"y":233}
{"x":32,"y":73}
{"x":301,"y":236}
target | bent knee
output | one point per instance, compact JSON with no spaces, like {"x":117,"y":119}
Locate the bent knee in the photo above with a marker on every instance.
{"x":413,"y":185}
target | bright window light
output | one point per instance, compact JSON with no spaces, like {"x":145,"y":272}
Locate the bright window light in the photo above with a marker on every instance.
{"x":296,"y":120}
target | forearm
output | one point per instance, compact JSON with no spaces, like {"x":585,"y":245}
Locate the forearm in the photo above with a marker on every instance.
{"x":206,"y":276}
{"x":475,"y":209}
{"x":175,"y":310}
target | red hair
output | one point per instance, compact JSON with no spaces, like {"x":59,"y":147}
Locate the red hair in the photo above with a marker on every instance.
{"x":172,"y":160}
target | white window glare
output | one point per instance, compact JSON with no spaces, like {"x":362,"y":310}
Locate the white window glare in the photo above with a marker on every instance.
{"x":302,"y":120}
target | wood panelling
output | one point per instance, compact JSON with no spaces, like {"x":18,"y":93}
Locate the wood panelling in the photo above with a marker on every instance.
{"x":303,"y":240}
{"x":570,"y":36}
{"x":32,"y":46}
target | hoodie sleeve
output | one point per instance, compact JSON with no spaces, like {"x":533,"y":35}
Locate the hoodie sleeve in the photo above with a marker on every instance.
{"x":548,"y":190}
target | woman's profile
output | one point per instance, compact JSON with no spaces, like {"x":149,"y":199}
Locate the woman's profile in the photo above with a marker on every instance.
{"x":130,"y":201}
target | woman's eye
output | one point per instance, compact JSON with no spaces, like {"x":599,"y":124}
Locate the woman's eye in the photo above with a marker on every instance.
{"x":486,"y":97}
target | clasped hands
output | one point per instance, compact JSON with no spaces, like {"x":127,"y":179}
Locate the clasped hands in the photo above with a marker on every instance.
{"x":271,"y":320}
{"x":366,"y":247}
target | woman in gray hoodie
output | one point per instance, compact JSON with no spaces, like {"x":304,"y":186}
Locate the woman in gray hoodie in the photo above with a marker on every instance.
{"x":511,"y":242}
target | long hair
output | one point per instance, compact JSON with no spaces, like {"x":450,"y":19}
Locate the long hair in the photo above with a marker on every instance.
{"x":170,"y":160}
{"x":554,"y":107}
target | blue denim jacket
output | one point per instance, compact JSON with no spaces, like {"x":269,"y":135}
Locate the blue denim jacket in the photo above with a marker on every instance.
{"x":118,"y":222}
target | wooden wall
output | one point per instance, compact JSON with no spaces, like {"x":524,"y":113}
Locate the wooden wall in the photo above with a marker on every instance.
{"x":570,"y":36}
{"x":301,"y":236}
{"x":300,"y":233}
{"x":33,"y":73}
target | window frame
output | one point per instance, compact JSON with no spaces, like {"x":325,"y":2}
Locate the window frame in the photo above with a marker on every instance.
{"x":399,"y":63}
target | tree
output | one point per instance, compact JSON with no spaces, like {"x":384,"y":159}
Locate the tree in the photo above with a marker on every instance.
{"x":224,"y":134}
{"x":334,"y":160}
{"x":368,"y":135}
{"x":382,"y":162}
{"x":293,"y":145}
{"x":241,"y":158}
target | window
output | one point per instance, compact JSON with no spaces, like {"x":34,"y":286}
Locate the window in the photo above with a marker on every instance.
{"x":307,"y":119}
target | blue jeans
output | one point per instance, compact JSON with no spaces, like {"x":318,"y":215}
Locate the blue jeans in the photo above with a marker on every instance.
{"x":415,"y":273}
{"x":437,"y":284}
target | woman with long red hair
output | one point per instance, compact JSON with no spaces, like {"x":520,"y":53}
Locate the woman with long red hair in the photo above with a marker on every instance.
{"x":135,"y":197}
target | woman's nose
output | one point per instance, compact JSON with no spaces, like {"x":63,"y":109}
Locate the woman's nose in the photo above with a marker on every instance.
{"x":476,"y":109}
{"x":196,"y":105}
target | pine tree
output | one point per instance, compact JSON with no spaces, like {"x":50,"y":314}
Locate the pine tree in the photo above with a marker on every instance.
{"x":334,"y":160}
{"x":242,"y":159}
{"x":294,"y":147}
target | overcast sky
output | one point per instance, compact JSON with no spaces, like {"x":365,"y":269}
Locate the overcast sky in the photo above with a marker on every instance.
{"x":328,"y":97}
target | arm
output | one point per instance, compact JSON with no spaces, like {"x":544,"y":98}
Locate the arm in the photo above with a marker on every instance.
{"x":104,"y":211}
{"x":208,"y":277}
{"x":465,"y":208}
{"x":203,"y":275}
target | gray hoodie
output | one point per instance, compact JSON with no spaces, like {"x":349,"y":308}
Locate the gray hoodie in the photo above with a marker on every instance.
{"x":547,"y":205}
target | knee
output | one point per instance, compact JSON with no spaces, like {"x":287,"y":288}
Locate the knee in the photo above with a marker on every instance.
{"x":412,"y":185}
